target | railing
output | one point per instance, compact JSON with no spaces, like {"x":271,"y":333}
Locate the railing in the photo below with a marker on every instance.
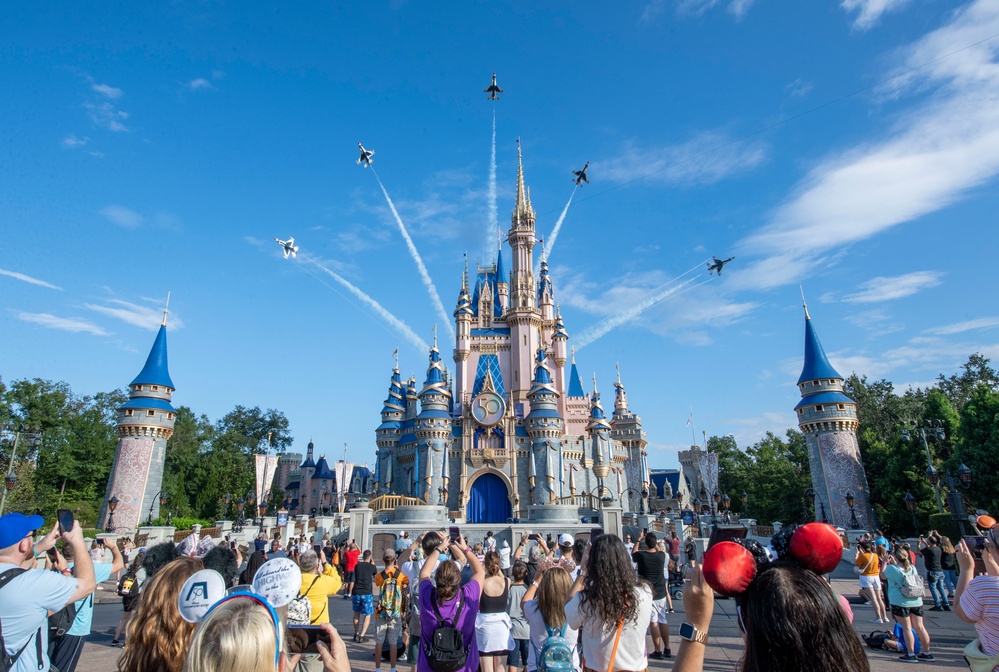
{"x":388,"y":502}
{"x":212,"y":532}
{"x":586,"y":501}
{"x":761,"y":530}
{"x":457,"y":515}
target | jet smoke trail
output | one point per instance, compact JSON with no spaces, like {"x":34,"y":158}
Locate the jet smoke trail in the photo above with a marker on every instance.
{"x":549,"y":244}
{"x":652,"y":298}
{"x":427,"y":281}
{"x":399,"y":325}
{"x":491,"y":196}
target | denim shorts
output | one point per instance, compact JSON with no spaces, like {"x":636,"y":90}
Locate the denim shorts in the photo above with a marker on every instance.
{"x":519,"y":653}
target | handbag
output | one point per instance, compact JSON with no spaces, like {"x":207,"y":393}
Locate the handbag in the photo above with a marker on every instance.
{"x":858,"y":570}
{"x":977,"y":659}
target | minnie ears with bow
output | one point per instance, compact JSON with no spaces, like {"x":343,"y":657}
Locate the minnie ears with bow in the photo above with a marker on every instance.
{"x":731,"y":566}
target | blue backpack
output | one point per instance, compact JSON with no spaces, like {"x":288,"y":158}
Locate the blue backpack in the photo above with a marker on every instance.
{"x":555,"y":654}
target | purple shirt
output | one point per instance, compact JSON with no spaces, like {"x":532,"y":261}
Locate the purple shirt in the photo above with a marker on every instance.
{"x":466,"y":623}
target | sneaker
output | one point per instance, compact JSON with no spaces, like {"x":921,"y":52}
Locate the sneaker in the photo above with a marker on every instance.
{"x":866,"y":603}
{"x":401,"y":658}
{"x":669,"y":611}
{"x":936,"y":608}
{"x":667,"y":654}
{"x":909,"y":658}
{"x":946,"y":607}
{"x":115,"y":642}
{"x":655,"y":656}
{"x":950,"y":596}
{"x":874,"y":620}
{"x":925,"y":656}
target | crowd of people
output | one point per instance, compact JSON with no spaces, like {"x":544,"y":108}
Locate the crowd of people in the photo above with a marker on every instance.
{"x":443,"y":604}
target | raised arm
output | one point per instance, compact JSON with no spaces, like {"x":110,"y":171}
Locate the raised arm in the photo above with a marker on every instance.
{"x":118,"y":562}
{"x":478,"y":571}
{"x":699,"y":605}
{"x":83,"y":567}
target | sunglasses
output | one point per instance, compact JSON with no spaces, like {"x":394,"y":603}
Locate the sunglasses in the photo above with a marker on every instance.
{"x":249,"y":595}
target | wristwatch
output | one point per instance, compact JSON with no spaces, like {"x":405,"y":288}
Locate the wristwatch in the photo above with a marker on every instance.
{"x":692,"y":634}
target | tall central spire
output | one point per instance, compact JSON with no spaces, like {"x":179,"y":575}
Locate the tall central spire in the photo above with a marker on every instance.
{"x":523,"y":206}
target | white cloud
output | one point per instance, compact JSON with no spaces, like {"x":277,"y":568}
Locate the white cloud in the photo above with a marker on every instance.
{"x":200,"y":84}
{"x":961,"y":327}
{"x":74,"y":142}
{"x":707,"y":158}
{"x":869,"y":12}
{"x":144,"y":317}
{"x":122,"y":216}
{"x":106,"y":115}
{"x":736,"y":8}
{"x":61,"y":323}
{"x":799,"y":88}
{"x":883,"y":288}
{"x":107,"y":91}
{"x":933,"y":154}
{"x":27,"y":278}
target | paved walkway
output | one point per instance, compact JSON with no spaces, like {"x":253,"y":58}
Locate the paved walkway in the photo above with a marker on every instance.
{"x":949,"y":635}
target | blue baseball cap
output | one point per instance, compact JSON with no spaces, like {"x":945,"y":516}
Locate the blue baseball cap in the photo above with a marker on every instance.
{"x":15,"y":526}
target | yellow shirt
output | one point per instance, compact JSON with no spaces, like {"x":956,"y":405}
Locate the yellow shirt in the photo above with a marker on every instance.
{"x":319,"y":588}
{"x":862,"y":561}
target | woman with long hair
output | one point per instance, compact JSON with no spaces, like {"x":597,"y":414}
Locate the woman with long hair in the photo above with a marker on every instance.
{"x":908,"y":611}
{"x":493,"y":624}
{"x":790,"y":618}
{"x":130,"y":600}
{"x":544,"y":607}
{"x":257,"y":558}
{"x":948,"y":560}
{"x":157,"y":636}
{"x":611,"y":607}
{"x":866,"y":560}
{"x":450,"y":601}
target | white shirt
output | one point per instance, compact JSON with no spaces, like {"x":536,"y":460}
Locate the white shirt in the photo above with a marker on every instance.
{"x":26,"y":601}
{"x":598,"y":642}
{"x":539,"y":633}
{"x":504,"y":554}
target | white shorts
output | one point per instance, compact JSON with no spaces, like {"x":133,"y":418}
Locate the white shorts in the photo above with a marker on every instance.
{"x":658,"y":614}
{"x":870,"y":582}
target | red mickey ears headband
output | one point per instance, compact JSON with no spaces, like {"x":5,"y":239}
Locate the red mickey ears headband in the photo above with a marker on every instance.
{"x":729,"y":567}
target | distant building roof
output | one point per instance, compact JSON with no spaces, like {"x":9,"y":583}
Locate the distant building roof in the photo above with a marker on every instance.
{"x":828,"y":397}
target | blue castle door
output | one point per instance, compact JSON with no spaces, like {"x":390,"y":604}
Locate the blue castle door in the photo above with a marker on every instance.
{"x":489,"y":501}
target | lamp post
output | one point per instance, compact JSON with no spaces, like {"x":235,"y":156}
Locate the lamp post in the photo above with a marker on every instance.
{"x":696,"y":504}
{"x":954,"y":497}
{"x":645,"y":500}
{"x":441,"y":491}
{"x":910,"y":503}
{"x":716,"y":498}
{"x":809,"y":502}
{"x":162,"y":496}
{"x":935,"y":432}
{"x":726,"y":504}
{"x":854,"y":524}
{"x":30,"y":433}
{"x":240,"y":518}
{"x":225,"y":510}
{"x":112,"y":505}
{"x":745,"y":503}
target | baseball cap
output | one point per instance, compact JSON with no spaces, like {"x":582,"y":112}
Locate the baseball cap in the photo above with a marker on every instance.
{"x":15,"y":526}
{"x":565,"y":539}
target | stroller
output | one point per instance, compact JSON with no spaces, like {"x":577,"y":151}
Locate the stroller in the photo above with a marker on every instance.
{"x":674,"y":583}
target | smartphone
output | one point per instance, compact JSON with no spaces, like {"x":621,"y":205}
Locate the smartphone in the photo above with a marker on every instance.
{"x":534,"y":537}
{"x":65,"y":518}
{"x":303,"y":638}
{"x":232,"y":545}
{"x":596,"y":532}
{"x":455,"y":533}
{"x":645,"y":531}
{"x":976,"y":544}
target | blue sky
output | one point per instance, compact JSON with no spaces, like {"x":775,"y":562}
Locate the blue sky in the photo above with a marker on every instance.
{"x":850,"y":146}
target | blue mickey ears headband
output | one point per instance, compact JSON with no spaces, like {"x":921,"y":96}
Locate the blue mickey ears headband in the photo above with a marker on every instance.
{"x":249,"y":595}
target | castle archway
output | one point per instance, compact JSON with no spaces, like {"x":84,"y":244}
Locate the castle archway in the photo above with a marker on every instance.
{"x":488,"y":500}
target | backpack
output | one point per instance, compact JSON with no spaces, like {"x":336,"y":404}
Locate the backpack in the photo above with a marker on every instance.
{"x":129,"y":584}
{"x":300,"y":609}
{"x":912,"y":584}
{"x":413,"y":610}
{"x":555,"y":654}
{"x":876,"y":640}
{"x":391,"y":599}
{"x":446,"y":651}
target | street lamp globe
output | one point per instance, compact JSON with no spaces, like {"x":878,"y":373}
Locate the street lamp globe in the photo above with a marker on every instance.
{"x":113,"y":503}
{"x":810,"y":496}
{"x":910,"y":501}
{"x":744,"y":496}
{"x":964,"y":473}
{"x":932,"y":475}
{"x":849,"y":499}
{"x":10,"y":481}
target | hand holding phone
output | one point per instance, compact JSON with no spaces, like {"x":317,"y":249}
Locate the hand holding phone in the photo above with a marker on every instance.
{"x":305,"y":638}
{"x":65,"y":518}
{"x":455,"y":533}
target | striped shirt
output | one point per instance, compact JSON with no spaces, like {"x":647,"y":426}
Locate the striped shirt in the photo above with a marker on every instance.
{"x":980,"y":601}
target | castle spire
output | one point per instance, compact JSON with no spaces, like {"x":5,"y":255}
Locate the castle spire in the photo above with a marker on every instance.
{"x":166,"y":309}
{"x":523,"y":207}
{"x":817,"y":366}
{"x":803,"y":304}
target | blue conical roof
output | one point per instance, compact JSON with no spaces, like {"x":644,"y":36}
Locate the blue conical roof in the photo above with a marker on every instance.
{"x":501,"y":275}
{"x":575,"y":383}
{"x":155,"y":371}
{"x":817,"y":365}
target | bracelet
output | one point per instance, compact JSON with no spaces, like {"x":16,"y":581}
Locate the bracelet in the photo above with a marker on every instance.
{"x":468,"y":550}
{"x":67,"y":572}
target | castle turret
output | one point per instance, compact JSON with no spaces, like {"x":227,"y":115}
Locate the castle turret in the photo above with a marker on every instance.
{"x":599,"y":431}
{"x":828,"y":419}
{"x":145,"y":423}
{"x":521,"y":316}
{"x":544,"y":427}
{"x":626,"y":430}
{"x":502,"y":284}
{"x":432,"y":428}
{"x":387,"y":434}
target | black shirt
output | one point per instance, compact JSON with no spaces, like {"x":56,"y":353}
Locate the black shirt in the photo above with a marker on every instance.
{"x":948,"y":560}
{"x":931,"y":557}
{"x":364,"y":575}
{"x":651,"y":567}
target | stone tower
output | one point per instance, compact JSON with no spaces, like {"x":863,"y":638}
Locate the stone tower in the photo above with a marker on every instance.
{"x":145,"y":423}
{"x":545,"y":429}
{"x":432,"y":428}
{"x":828,"y":419}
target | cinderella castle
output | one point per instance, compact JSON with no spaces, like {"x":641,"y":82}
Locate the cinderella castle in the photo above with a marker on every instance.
{"x":511,"y":434}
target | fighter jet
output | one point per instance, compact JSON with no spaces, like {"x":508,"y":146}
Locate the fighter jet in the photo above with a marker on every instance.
{"x":366,"y":155}
{"x":492,"y":89}
{"x":581,"y":175}
{"x":289,"y":246}
{"x":718,"y":265}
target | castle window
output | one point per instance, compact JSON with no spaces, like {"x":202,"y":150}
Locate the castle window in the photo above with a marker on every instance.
{"x":128,"y":413}
{"x":842,"y":407}
{"x":150,"y":414}
{"x":815,"y":383}
{"x":156,"y":388}
{"x":832,"y":382}
{"x":818,"y":409}
{"x":800,"y":411}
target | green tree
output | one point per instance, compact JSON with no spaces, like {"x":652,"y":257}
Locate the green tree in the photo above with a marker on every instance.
{"x":183,"y":469}
{"x":961,"y":387}
{"x":979,"y":433}
{"x":734,"y":468}
{"x":779,"y":478}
